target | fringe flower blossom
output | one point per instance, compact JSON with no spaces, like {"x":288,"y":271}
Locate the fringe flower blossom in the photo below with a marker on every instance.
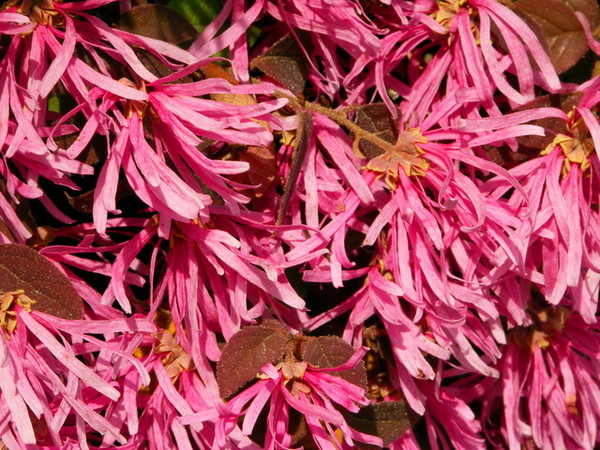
{"x":309,"y":391}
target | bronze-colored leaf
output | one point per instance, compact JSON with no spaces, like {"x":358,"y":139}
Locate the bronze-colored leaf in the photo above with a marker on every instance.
{"x":274,"y":324}
{"x":212,"y":70}
{"x":332,"y":351}
{"x":84,"y":203}
{"x":154,"y":64}
{"x":246,"y":352}
{"x":262,"y":171}
{"x":23,"y":268}
{"x":387,"y":420}
{"x":589,"y":8}
{"x":285,"y":62}
{"x":158,"y":22}
{"x":559,"y":27}
{"x":375,"y":118}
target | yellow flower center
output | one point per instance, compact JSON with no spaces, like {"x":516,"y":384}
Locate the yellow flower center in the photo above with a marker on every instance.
{"x":39,"y":11}
{"x":577,"y":148}
{"x":547,"y":322}
{"x":447,"y":9}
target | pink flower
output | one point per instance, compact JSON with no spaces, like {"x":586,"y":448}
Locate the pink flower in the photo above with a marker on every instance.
{"x":180,"y":121}
{"x":449,"y":421}
{"x":57,"y":380}
{"x":179,"y":392}
{"x":333,"y":25}
{"x":561,"y":231}
{"x":38,"y":66}
{"x":548,"y":385}
{"x":310,"y":391}
{"x":468,"y":48}
{"x":435,"y":239}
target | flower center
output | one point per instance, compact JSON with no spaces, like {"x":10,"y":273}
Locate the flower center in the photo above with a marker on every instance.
{"x":39,"y":11}
{"x":576,"y":148}
{"x":405,"y":154}
{"x":176,"y":360}
{"x":547,"y":322}
{"x":447,"y":10}
{"x":142,"y":108}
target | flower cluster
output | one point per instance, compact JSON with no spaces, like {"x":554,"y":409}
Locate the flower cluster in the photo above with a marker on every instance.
{"x":278,"y":223}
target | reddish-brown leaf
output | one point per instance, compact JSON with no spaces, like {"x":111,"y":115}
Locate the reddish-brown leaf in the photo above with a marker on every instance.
{"x":555,"y":23}
{"x":375,"y":118}
{"x":332,"y":351}
{"x":23,"y":268}
{"x":589,"y":8}
{"x":158,"y":22}
{"x":246,"y":352}
{"x":6,"y":231}
{"x":387,"y":420}
{"x":284,"y":62}
{"x":263,"y":168}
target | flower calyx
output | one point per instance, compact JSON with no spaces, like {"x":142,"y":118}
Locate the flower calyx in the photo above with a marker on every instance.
{"x":406,"y":154}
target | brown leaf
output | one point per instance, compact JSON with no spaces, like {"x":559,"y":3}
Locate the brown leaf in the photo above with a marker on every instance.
{"x":23,"y":268}
{"x":6,"y":231}
{"x":262,"y":171}
{"x":555,"y":23}
{"x":589,"y":8}
{"x":375,"y":118}
{"x":332,"y":351}
{"x":157,"y":22}
{"x":274,"y":324}
{"x":387,"y":420}
{"x":246,"y":352}
{"x":157,"y":66}
{"x":84,"y":203}
{"x":212,"y":70}
{"x":285,"y":62}
{"x":42,"y":237}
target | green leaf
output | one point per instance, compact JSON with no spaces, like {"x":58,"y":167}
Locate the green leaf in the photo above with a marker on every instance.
{"x":199,"y":13}
{"x":60,"y":103}
{"x":23,"y":268}
{"x":246,"y":352}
